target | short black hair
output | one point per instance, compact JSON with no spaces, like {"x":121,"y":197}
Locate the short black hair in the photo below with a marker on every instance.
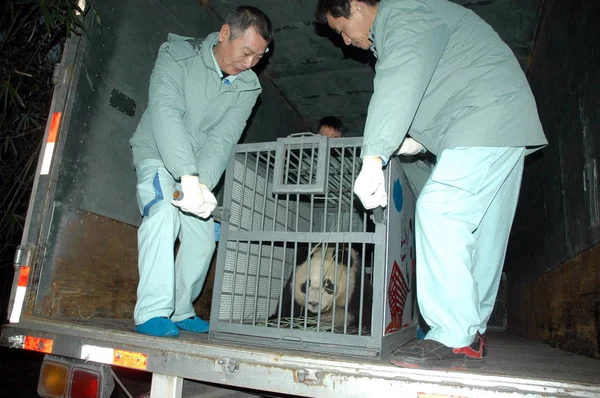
{"x":333,"y":122}
{"x":244,"y":17}
{"x":337,"y":8}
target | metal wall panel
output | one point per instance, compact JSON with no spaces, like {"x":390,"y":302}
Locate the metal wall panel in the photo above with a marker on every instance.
{"x":558,"y":214}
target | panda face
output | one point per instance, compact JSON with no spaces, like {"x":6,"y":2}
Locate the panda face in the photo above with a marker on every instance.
{"x":323,"y":287}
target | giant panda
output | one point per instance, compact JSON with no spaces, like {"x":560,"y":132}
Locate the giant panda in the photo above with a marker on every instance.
{"x":332,"y":295}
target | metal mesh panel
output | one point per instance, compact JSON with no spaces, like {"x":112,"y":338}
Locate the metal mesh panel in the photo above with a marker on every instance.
{"x":251,"y":270}
{"x":253,"y":206}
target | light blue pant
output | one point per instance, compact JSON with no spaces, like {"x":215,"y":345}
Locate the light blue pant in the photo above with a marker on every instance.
{"x":417,"y":173}
{"x":464,"y":215}
{"x":167,"y":285}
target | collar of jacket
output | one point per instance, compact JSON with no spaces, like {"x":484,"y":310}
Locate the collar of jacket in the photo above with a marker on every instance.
{"x":373,"y":31}
{"x":245,"y":81}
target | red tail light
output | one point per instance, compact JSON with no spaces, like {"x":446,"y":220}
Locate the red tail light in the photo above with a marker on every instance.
{"x":62,"y":377}
{"x":84,"y":384}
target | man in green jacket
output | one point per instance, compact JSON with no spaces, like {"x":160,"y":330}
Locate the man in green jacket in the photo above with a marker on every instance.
{"x":201,"y":94}
{"x":445,"y":78}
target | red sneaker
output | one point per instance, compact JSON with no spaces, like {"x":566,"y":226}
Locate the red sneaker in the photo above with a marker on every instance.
{"x":430,"y":354}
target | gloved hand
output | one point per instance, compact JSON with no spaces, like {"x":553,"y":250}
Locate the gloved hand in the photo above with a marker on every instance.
{"x":370,"y":183}
{"x":410,"y":147}
{"x":197,"y":198}
{"x":210,"y":200}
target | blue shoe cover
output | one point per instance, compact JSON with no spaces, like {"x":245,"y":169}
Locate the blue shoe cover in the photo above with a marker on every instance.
{"x":193,"y":324}
{"x":160,"y":327}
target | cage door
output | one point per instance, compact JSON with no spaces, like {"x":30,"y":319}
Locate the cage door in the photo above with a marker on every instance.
{"x":301,"y":165}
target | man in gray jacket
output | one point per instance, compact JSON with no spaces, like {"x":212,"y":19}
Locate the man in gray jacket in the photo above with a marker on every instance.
{"x":444,"y":77}
{"x":201,"y":95}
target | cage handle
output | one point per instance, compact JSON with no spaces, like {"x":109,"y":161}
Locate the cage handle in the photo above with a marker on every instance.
{"x":378,"y":215}
{"x":303,"y":134}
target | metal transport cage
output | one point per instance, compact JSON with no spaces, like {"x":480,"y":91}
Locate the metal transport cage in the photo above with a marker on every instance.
{"x":289,"y":203}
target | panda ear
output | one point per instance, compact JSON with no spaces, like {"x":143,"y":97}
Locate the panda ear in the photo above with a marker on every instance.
{"x":347,"y":256}
{"x":301,"y":254}
{"x":342,"y":257}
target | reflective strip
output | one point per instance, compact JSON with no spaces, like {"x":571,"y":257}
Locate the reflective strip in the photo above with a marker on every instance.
{"x":49,"y":149}
{"x":97,"y":354}
{"x":31,"y":343}
{"x":128,"y":359}
{"x":38,"y":344}
{"x":23,"y":276}
{"x":110,"y":356}
{"x":15,"y":314}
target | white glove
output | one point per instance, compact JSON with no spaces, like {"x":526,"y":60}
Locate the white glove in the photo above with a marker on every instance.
{"x":197,"y":198}
{"x":410,"y":147}
{"x":209,"y":200}
{"x":370,"y":183}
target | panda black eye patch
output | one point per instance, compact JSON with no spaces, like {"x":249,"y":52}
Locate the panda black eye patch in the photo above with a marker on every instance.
{"x":303,"y":287}
{"x":328,"y":286}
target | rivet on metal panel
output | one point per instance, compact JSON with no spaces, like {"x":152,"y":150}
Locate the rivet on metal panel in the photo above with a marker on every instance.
{"x":301,"y":375}
{"x":309,"y":377}
{"x":228,"y":365}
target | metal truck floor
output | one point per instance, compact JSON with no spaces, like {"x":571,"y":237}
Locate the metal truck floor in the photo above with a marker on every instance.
{"x":511,"y":359}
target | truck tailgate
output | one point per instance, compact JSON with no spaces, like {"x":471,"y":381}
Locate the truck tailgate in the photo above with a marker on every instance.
{"x":515,"y":365}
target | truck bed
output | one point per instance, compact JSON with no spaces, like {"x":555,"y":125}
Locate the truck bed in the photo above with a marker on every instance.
{"x":515,"y":365}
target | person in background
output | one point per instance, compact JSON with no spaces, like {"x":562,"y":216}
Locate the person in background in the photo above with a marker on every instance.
{"x":332,"y":127}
